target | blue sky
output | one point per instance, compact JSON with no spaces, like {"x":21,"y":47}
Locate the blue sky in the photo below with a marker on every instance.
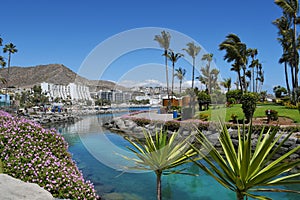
{"x":66,"y":32}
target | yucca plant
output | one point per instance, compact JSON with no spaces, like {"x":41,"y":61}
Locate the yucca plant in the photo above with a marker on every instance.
{"x":245,"y":169}
{"x":161,"y":154}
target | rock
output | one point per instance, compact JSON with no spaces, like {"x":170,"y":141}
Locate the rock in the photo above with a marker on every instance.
{"x":11,"y":188}
{"x":121,"y":196}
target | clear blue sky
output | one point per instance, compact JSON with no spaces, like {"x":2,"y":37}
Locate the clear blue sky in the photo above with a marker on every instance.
{"x":65,"y":31}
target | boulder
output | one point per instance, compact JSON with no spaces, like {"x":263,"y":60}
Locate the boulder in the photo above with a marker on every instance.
{"x":11,"y":188}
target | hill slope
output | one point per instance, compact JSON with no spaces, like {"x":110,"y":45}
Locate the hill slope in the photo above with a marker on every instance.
{"x":27,"y":77}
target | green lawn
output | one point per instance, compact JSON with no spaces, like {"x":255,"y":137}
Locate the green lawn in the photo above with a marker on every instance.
{"x":236,"y":109}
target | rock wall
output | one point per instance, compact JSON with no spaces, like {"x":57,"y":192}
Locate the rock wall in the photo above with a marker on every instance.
{"x":128,"y":127}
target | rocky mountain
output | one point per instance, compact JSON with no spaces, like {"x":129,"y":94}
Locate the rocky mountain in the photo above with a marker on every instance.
{"x":27,"y":77}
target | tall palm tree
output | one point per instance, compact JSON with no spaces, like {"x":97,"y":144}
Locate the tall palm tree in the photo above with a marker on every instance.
{"x":283,"y":24}
{"x":236,"y":52}
{"x":246,"y":168}
{"x":209,"y":78}
{"x":2,"y":64}
{"x":164,"y":42}
{"x":180,"y":73}
{"x":208,"y":57}
{"x":291,"y":7}
{"x":254,"y":62}
{"x":11,"y":49}
{"x":226,"y":83}
{"x":173,"y":57}
{"x":192,"y":51}
{"x":161,"y":154}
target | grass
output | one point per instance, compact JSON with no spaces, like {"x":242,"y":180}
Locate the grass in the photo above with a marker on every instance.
{"x":259,"y":112}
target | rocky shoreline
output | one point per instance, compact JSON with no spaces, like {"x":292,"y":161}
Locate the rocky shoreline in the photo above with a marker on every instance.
{"x":126,"y":126}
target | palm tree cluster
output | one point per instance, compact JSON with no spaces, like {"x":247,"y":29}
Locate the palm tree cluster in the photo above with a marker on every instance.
{"x":238,"y":54}
{"x":9,"y":48}
{"x":209,"y":77}
{"x":289,"y":41}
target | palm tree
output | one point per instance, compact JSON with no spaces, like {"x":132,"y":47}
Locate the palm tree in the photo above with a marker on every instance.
{"x":283,"y":24}
{"x":173,"y":57}
{"x":245,"y":169}
{"x":291,"y":8}
{"x":226,"y":83}
{"x":161,"y":154}
{"x":180,"y":73}
{"x":164,"y":42}
{"x":254,"y":62}
{"x":193,"y":51}
{"x":209,"y":78}
{"x":11,"y":49}
{"x":236,"y":52}
{"x":208,"y":57}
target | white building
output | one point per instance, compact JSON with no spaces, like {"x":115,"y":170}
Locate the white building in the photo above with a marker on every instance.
{"x":71,"y":91}
{"x":114,"y":95}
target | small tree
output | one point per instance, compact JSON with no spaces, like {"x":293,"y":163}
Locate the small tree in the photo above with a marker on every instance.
{"x":160,"y":154}
{"x":248,"y":101}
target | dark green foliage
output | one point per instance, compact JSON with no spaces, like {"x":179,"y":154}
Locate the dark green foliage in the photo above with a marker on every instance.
{"x":272,"y":114}
{"x":248,"y":102}
{"x":279,"y":91}
{"x":141,"y":121}
{"x":234,"y":94}
{"x":172,"y":126}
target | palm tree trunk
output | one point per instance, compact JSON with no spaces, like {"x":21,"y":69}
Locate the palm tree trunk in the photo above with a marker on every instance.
{"x":287,"y":79}
{"x":239,"y":76}
{"x":239,"y":195}
{"x":245,"y":82}
{"x":295,"y":50}
{"x":180,"y":82}
{"x":173,"y":78}
{"x":158,"y":184}
{"x":193,"y":73}
{"x":256,"y":80}
{"x":253,"y":81}
{"x":167,"y":79}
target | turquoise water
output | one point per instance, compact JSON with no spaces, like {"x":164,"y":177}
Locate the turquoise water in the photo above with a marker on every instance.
{"x":96,"y":152}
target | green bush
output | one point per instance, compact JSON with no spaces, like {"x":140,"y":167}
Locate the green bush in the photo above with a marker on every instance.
{"x":248,"y":102}
{"x":203,"y":116}
{"x":235,"y":94}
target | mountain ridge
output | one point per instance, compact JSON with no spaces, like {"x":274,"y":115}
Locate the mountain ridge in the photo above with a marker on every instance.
{"x":27,"y":77}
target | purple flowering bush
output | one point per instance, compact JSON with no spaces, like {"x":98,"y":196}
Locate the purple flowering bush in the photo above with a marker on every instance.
{"x":37,"y":155}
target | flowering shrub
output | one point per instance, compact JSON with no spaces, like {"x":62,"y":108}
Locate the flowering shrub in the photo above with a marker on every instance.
{"x":37,"y":155}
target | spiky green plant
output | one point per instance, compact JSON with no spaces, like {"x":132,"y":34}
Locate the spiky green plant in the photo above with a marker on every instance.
{"x":248,"y":169}
{"x":161,"y":154}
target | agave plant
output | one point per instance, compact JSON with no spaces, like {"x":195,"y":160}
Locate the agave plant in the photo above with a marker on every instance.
{"x":161,"y":154}
{"x":248,"y":169}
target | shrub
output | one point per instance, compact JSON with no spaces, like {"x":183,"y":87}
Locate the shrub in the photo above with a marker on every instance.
{"x":171,"y":125}
{"x":141,"y":121}
{"x":203,"y":116}
{"x":289,"y":105}
{"x":37,"y":155}
{"x":231,"y":100}
{"x":236,"y":94}
{"x":272,"y":114}
{"x":248,"y":101}
{"x":234,"y":117}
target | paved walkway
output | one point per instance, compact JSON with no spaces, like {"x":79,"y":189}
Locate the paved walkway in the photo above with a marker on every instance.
{"x":155,"y":116}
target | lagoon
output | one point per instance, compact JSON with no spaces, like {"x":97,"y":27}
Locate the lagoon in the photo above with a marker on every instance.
{"x":96,"y":153}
